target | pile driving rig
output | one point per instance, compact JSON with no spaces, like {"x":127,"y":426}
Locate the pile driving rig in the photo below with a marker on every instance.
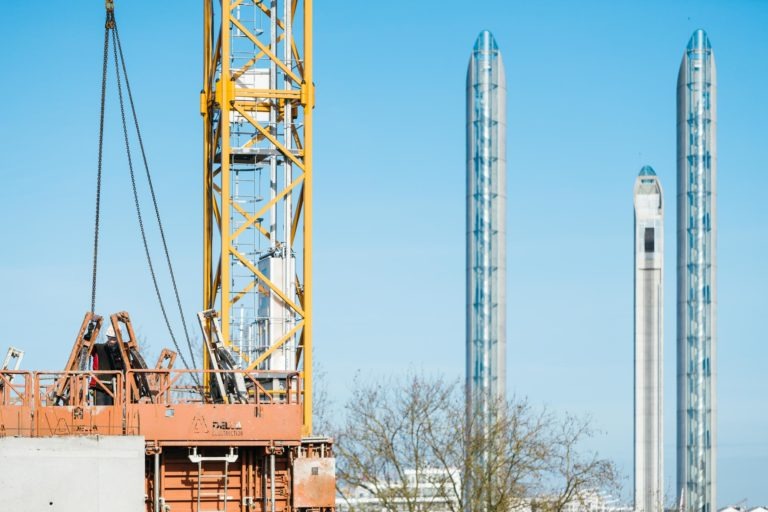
{"x":236,"y":434}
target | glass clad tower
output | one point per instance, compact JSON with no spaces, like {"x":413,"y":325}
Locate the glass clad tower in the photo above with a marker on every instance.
{"x":696,"y":272}
{"x":486,"y":227}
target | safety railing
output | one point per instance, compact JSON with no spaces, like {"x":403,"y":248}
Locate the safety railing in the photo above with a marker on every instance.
{"x":227,"y":406}
{"x":250,"y":404}
{"x":15,"y":403}
{"x":91,"y":402}
{"x":15,"y":388}
{"x":168,"y":387}
{"x":79,"y":389}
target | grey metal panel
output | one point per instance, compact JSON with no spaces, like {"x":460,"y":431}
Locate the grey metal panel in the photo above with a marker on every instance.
{"x":72,"y":474}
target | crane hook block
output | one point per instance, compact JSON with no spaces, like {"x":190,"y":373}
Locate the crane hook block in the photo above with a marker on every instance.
{"x":110,"y":23}
{"x":89,"y":332}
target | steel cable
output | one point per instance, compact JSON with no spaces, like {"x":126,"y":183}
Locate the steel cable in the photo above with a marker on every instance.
{"x":138,"y":207}
{"x":119,"y":48}
{"x":109,"y":21}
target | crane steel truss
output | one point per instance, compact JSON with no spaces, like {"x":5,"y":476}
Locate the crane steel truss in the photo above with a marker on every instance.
{"x":257,"y":103}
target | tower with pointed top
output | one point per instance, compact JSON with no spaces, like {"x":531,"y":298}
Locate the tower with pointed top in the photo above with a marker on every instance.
{"x":649,"y":341}
{"x":486,"y":227}
{"x":696,"y":272}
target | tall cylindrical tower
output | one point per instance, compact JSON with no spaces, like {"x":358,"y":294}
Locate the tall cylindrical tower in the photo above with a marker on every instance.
{"x":649,"y":341}
{"x":486,"y":228}
{"x":696,"y":272}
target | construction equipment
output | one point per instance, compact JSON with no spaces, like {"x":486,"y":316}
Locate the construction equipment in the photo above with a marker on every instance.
{"x":13,"y":355}
{"x":80,"y":354}
{"x":124,"y":355}
{"x":257,"y":103}
{"x":230,"y":386}
{"x":236,"y":434}
{"x":164,"y":362}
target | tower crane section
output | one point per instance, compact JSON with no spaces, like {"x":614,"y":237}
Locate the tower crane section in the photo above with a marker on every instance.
{"x":257,"y":102}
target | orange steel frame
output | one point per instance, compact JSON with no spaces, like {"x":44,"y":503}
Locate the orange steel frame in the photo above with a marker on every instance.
{"x":173,"y":415}
{"x":264,"y":433}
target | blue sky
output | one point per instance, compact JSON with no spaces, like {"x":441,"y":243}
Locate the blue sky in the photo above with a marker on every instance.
{"x":591,"y":99}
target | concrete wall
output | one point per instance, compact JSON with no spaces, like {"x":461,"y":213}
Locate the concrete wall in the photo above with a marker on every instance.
{"x":72,"y":474}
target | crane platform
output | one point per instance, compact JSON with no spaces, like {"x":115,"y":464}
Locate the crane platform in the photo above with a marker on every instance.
{"x":194,"y":448}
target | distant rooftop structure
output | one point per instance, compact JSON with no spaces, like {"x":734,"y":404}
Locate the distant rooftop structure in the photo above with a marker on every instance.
{"x":434,"y":489}
{"x":596,"y":501}
{"x":739,"y":508}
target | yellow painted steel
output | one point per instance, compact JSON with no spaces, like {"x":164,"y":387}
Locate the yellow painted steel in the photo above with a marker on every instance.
{"x":308,"y":101}
{"x":225,"y":222}
{"x":205,"y":94}
{"x":275,"y":346}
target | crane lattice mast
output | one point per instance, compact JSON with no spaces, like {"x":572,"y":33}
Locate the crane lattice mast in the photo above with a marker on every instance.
{"x":257,"y":102}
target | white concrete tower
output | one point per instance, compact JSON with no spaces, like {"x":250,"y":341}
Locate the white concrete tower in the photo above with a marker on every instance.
{"x":649,"y":341}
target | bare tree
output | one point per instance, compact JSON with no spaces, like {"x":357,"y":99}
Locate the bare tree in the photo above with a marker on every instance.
{"x":322,"y":405}
{"x":574,"y":474}
{"x":407,"y":444}
{"x":395,"y":436}
{"x":507,"y":452}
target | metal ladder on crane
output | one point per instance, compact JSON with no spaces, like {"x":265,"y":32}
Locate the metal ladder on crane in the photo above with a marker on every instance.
{"x":221,"y":497}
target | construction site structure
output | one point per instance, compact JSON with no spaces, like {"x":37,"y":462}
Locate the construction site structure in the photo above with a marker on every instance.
{"x":236,"y":434}
{"x":13,"y":357}
{"x":257,"y":103}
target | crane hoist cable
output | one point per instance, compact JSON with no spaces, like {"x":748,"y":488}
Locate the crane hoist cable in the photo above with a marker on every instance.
{"x":117,"y":51}
{"x":100,"y":160}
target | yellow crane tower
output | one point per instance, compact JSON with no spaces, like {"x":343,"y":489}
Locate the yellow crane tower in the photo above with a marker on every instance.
{"x":257,"y":102}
